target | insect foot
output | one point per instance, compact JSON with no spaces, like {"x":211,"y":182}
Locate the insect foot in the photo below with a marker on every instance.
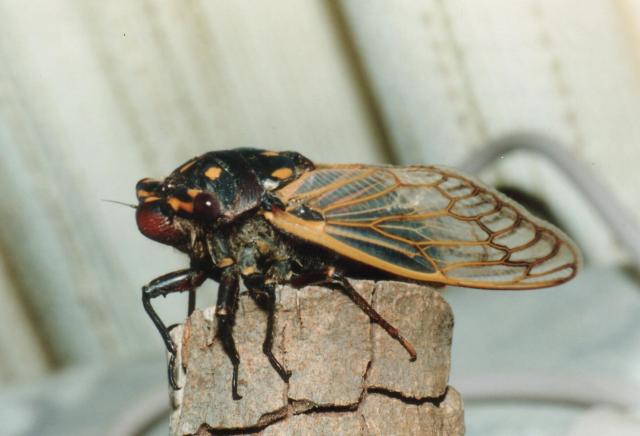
{"x":347,"y":373}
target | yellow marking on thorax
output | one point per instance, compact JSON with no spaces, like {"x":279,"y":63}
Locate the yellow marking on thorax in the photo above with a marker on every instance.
{"x":248,"y":270}
{"x":177,"y":204}
{"x":270,"y":153}
{"x":186,"y":166}
{"x":262,"y":246}
{"x":142,"y":193}
{"x":150,"y":199}
{"x":213,"y":173}
{"x":193,"y":192}
{"x":227,"y":261}
{"x":282,"y":173}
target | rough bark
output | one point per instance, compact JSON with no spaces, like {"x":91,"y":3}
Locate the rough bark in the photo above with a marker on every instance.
{"x":348,"y":375}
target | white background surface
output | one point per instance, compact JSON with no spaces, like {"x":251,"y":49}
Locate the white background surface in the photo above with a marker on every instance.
{"x":96,"y":95}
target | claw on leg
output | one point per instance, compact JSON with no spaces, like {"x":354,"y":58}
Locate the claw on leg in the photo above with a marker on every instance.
{"x":329,"y":276}
{"x":226,"y":313}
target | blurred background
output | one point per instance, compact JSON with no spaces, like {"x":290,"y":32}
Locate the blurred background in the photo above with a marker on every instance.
{"x":538,"y":97}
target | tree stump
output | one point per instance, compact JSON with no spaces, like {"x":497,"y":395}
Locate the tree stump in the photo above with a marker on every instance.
{"x":348,"y":376}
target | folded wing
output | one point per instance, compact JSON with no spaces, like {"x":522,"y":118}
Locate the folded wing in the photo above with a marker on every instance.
{"x":426,"y":223}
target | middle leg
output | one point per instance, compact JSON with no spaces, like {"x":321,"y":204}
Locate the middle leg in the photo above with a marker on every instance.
{"x":264,"y":294}
{"x":226,"y":308}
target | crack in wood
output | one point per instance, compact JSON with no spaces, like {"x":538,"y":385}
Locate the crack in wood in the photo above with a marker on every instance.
{"x":399,"y":390}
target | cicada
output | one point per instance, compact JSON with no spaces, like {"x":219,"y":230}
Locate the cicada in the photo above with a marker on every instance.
{"x":266,"y":218}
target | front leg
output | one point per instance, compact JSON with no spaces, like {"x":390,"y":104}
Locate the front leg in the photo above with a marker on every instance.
{"x":177,"y":281}
{"x":226,"y":314}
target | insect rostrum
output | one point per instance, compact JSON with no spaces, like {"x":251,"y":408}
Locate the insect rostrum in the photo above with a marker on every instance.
{"x":270,"y":218}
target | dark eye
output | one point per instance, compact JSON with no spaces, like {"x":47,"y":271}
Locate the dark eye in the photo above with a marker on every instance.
{"x":206,"y":207}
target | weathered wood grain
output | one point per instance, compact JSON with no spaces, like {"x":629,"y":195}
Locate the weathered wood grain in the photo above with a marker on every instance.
{"x":347,"y":376}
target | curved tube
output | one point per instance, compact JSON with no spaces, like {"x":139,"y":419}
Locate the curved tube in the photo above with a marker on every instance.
{"x":626,"y":231}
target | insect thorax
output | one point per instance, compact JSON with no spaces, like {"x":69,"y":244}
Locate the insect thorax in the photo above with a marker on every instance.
{"x":253,"y":243}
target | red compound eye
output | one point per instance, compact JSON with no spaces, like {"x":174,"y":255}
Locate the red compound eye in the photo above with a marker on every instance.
{"x":206,"y":207}
{"x":154,"y":224}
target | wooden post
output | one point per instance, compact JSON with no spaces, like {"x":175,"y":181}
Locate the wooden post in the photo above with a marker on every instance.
{"x":348,"y":375}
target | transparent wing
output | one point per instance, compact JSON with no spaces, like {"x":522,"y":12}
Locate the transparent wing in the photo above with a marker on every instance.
{"x":426,"y":223}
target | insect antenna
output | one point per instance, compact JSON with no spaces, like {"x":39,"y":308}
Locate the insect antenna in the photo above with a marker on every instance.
{"x":120,"y":203}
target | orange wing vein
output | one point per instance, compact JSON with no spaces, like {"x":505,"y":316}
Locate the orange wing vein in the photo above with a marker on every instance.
{"x":427,"y":223}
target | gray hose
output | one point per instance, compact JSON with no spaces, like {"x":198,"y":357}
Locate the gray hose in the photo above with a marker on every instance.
{"x":625,"y":229}
{"x":576,"y":389}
